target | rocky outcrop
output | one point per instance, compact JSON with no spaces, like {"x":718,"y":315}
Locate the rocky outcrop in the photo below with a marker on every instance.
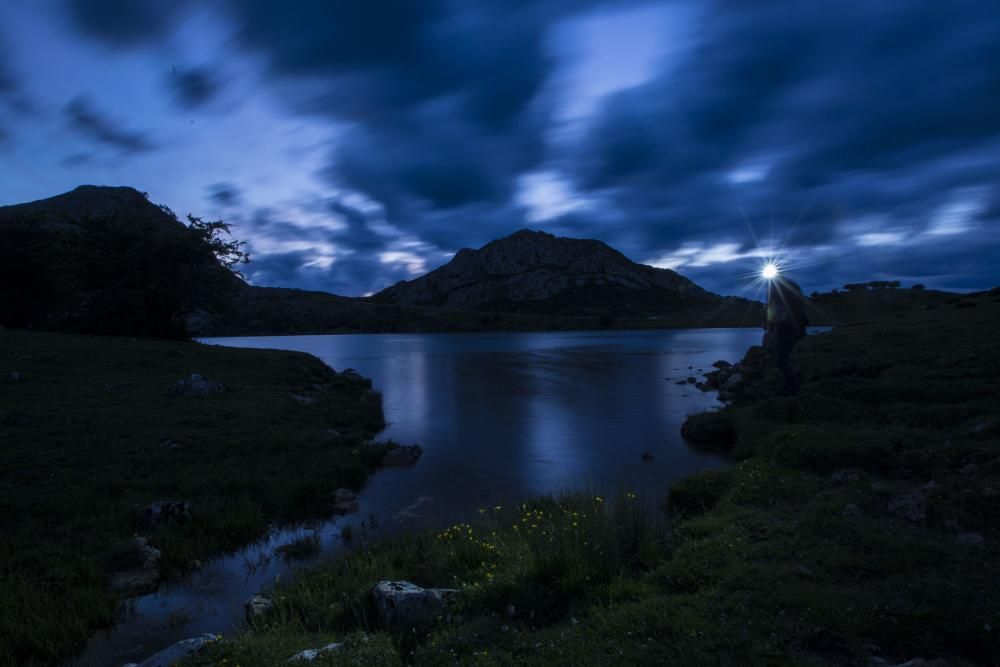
{"x":175,"y":653}
{"x":400,"y":604}
{"x":710,"y":429}
{"x":133,"y":567}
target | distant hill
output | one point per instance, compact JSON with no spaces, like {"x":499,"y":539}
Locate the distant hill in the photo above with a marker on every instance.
{"x":536,"y":272}
{"x":105,"y":260}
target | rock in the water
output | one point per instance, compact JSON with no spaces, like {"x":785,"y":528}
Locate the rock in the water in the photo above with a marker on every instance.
{"x":692,"y":380}
{"x":971,"y":539}
{"x":647,"y":456}
{"x":133,"y":567}
{"x":311,"y":654}
{"x":681,"y":382}
{"x":257,"y":606}
{"x":177,"y":652}
{"x":166,"y":511}
{"x":15,"y":377}
{"x":198,"y":385}
{"x":851,"y":511}
{"x":402,"y":604}
{"x":909,"y":506}
{"x":721,"y":363}
{"x":402,"y":456}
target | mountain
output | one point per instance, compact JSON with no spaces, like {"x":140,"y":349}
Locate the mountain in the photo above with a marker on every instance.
{"x":105,"y":260}
{"x":536,"y":272}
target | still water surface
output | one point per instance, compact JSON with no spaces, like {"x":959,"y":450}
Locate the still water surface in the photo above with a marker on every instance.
{"x":500,"y":416}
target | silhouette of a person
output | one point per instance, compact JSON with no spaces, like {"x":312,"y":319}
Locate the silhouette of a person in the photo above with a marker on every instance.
{"x":784,"y":325}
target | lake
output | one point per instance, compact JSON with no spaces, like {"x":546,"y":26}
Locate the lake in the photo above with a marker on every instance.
{"x":500,"y":417}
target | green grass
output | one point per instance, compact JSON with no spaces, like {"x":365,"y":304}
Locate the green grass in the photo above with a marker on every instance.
{"x":756,"y":564}
{"x":94,"y":434}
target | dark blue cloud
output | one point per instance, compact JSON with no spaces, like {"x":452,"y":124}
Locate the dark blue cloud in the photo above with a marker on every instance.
{"x":125,"y":23}
{"x":194,"y":87}
{"x":95,"y":125}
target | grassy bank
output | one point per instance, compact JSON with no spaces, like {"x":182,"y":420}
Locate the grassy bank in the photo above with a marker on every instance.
{"x":91,"y":433}
{"x":855,"y":525}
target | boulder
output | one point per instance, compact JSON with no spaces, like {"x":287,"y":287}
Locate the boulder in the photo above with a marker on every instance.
{"x":165,"y":511}
{"x":715,"y":429}
{"x":402,"y":604}
{"x":401,"y":456}
{"x":311,"y":654}
{"x":733,"y":382}
{"x":258,"y":606}
{"x":198,"y":385}
{"x":345,"y":501}
{"x":647,"y":456}
{"x":720,"y":364}
{"x":909,"y":506}
{"x":175,"y":653}
{"x":692,"y":380}
{"x":133,"y":567}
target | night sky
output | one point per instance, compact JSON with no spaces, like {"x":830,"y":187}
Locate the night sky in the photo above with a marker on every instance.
{"x":354,"y":144}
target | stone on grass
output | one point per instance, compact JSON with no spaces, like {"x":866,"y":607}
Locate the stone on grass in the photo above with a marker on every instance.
{"x":845,"y":476}
{"x":311,"y":654}
{"x":971,"y":539}
{"x":402,"y":604}
{"x":175,"y":653}
{"x":133,"y":567}
{"x":401,"y":456}
{"x":851,"y":511}
{"x":165,"y":511}
{"x":258,"y":606}
{"x":197,"y":384}
{"x":909,"y":506}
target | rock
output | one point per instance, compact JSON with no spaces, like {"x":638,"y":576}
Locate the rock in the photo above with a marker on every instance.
{"x":909,"y":506}
{"x":952,"y":526}
{"x":410,"y":513}
{"x":345,"y":501}
{"x":681,"y":382}
{"x":801,"y":570}
{"x":311,"y":654}
{"x":257,"y":607}
{"x":720,"y":364}
{"x":692,"y":380}
{"x":969,"y":469}
{"x":647,"y":456}
{"x":971,"y":539}
{"x":133,"y":567}
{"x":401,"y":456}
{"x":845,"y":476}
{"x":733,"y":381}
{"x":304,"y":400}
{"x":714,"y":429}
{"x":701,"y":385}
{"x":344,"y":496}
{"x":198,"y":385}
{"x":166,"y":511}
{"x":177,"y":652}
{"x":402,"y":604}
{"x":15,"y":377}
{"x":851,"y":511}
{"x":930,"y":486}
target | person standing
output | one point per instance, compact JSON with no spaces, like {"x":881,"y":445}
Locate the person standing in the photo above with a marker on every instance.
{"x":785,"y":324}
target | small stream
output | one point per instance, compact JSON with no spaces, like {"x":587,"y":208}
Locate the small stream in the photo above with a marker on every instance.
{"x":500,"y":416}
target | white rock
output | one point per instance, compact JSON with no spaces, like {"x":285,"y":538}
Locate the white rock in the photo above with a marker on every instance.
{"x":177,"y":652}
{"x":311,"y":654}
{"x":400,"y":603}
